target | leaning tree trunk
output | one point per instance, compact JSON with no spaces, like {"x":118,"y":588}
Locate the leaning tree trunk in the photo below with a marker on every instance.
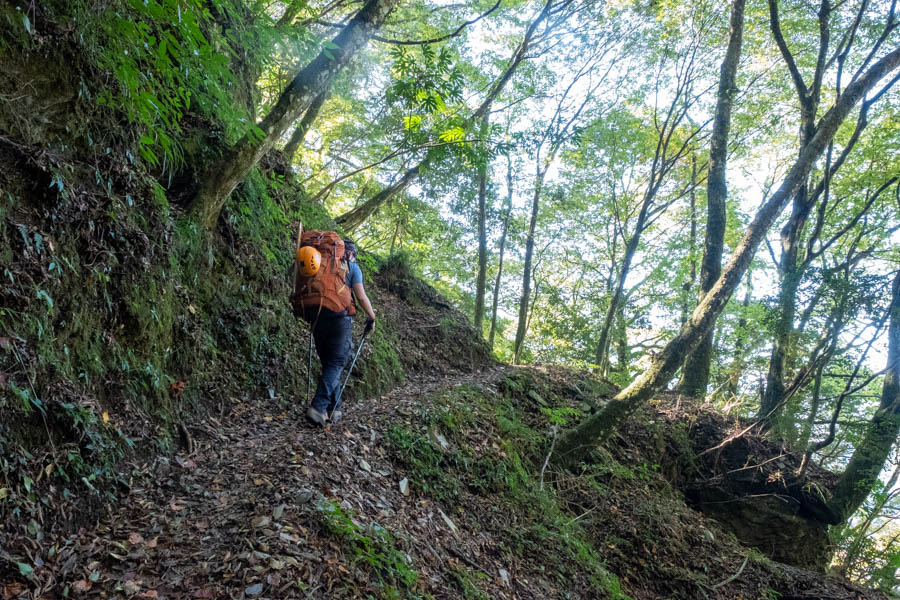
{"x":881,"y":434}
{"x":352,"y":219}
{"x":239,"y":160}
{"x":602,"y":354}
{"x":306,"y":122}
{"x":576,"y":443}
{"x":481,"y":276}
{"x":695,"y":373}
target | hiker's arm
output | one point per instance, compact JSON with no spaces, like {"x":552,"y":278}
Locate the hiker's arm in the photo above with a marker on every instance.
{"x":361,"y":297}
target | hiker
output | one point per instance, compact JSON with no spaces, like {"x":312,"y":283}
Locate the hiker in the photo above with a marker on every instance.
{"x":328,"y":280}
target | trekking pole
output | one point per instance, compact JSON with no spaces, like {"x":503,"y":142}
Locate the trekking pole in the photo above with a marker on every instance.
{"x":309,"y":367}
{"x":337,"y":402}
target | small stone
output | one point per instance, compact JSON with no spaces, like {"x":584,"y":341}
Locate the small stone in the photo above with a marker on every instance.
{"x":438,"y":440}
{"x":254,"y":590}
{"x":404,"y":486}
{"x":304,"y":495}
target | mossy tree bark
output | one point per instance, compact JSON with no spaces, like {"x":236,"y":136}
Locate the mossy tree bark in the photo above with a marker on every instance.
{"x":695,"y":373}
{"x":578,"y":442}
{"x":218,"y":183}
{"x":309,"y":117}
{"x":352,"y":219}
{"x":871,"y":454}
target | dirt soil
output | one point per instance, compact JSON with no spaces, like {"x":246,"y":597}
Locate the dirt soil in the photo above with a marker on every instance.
{"x":266,"y":507}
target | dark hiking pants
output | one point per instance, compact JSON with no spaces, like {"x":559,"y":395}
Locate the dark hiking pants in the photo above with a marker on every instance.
{"x":332,"y":335}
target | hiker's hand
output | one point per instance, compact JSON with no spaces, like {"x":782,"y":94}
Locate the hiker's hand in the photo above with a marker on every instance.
{"x":370,"y":327}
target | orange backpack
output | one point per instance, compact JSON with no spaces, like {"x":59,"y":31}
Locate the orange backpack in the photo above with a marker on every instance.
{"x":327,"y":289}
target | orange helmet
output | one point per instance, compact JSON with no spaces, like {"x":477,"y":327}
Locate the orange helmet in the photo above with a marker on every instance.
{"x":308,"y":260}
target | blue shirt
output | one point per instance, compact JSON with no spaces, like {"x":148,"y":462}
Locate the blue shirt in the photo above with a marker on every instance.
{"x":354,"y":274}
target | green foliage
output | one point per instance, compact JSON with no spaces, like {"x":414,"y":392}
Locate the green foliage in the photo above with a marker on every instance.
{"x":165,"y":59}
{"x":372,"y":547}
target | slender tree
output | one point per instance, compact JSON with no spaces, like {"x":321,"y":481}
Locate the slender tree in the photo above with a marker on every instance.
{"x":218,"y":183}
{"x":668,"y":152}
{"x":507,"y":214}
{"x":869,"y":457}
{"x":695,"y":374}
{"x":793,"y":262}
{"x":577,"y":442}
{"x":481,"y":276}
{"x":551,"y":9}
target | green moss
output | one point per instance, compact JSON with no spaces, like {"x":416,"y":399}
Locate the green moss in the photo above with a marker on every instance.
{"x":371,"y":547}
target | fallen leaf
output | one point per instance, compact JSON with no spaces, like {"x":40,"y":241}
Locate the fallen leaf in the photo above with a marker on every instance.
{"x":448,"y":521}
{"x":131,"y":587}
{"x":82,"y":585}
{"x":278,"y":512}
{"x":11,"y":590}
{"x":5,"y":343}
{"x":185,"y":463}
{"x":404,"y":486}
{"x":105,"y":417}
{"x":150,"y":594}
{"x":202,"y":525}
{"x":176,"y":505}
{"x":135,"y":538}
{"x":205,"y":593}
{"x":260,"y":521}
{"x":152,"y":543}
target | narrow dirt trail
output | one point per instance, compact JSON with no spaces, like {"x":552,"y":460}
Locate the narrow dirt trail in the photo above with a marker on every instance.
{"x":242,"y":515}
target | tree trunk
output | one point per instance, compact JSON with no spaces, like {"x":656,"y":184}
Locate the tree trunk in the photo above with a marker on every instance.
{"x":737,"y":365}
{"x":309,"y":117}
{"x":602,"y":355}
{"x":507,"y":216}
{"x":526,"y":276}
{"x":881,"y":434}
{"x":352,"y":219}
{"x":239,"y":160}
{"x":791,"y":273}
{"x":576,"y":443}
{"x":481,"y":277}
{"x":815,"y":400}
{"x":623,"y":356}
{"x":695,"y":372}
{"x":689,"y":285}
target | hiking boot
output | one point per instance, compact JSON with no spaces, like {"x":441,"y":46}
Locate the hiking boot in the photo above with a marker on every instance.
{"x":315,"y":417}
{"x":336,"y":416}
